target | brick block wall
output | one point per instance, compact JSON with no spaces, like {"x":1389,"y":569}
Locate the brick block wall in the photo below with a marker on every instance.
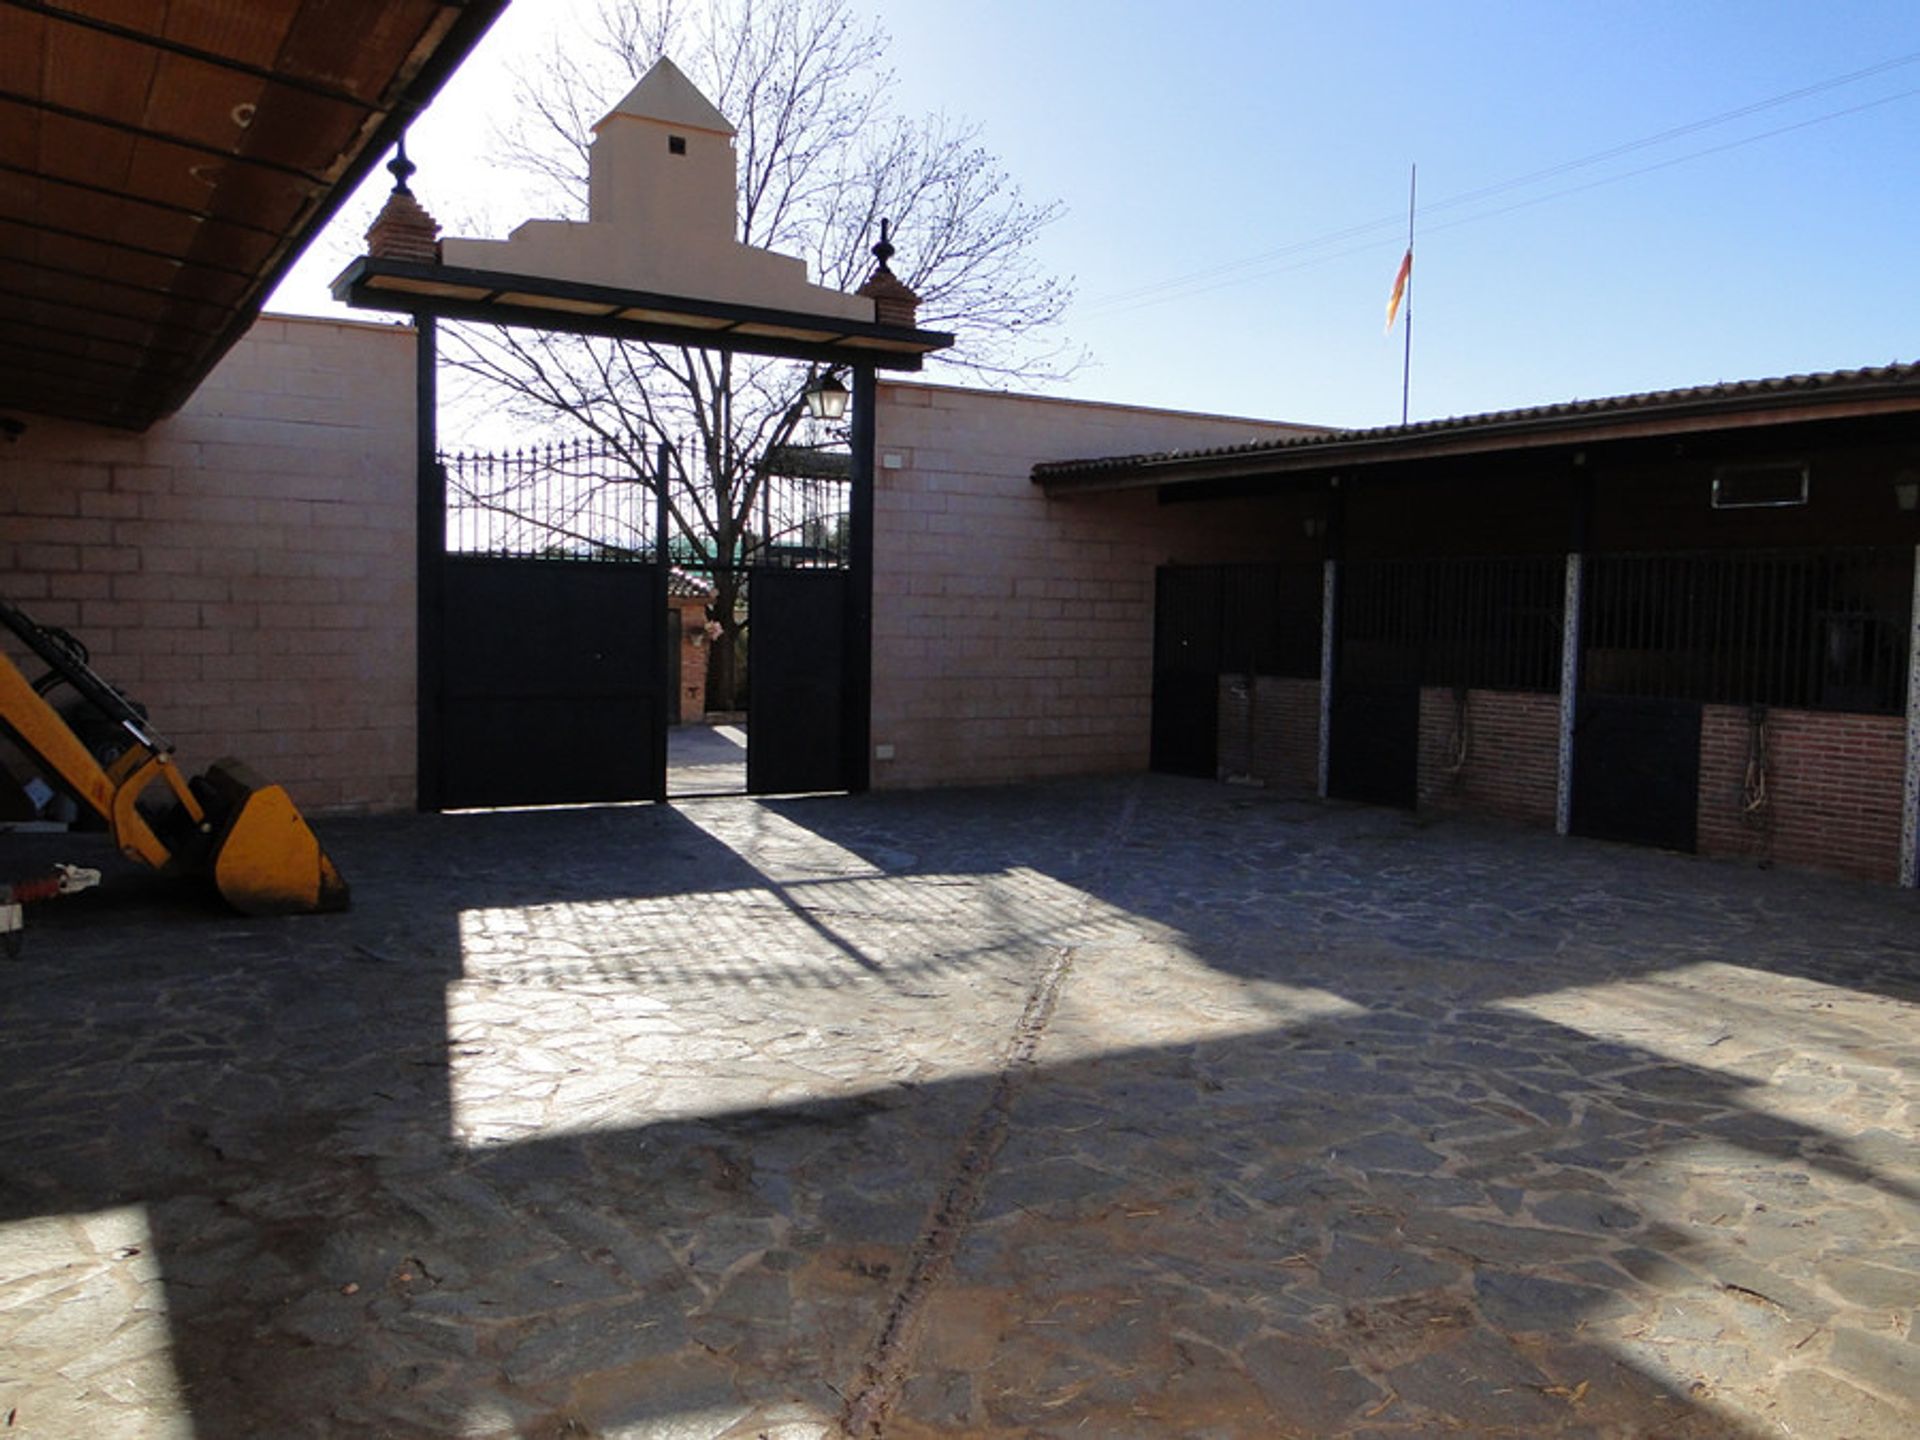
{"x":245,"y":567}
{"x":1512,"y":768}
{"x":1271,"y":731}
{"x":1834,"y":785}
{"x":1013,"y":634}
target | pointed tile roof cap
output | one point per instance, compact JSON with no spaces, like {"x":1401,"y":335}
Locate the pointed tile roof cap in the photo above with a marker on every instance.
{"x":667,"y":96}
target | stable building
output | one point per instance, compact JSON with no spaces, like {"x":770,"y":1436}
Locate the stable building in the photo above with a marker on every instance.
{"x":1683,"y":619}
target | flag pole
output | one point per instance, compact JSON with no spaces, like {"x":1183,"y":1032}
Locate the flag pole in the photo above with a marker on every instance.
{"x":1406,"y":363}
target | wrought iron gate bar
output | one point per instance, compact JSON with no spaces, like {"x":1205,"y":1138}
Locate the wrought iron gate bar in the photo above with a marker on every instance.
{"x":593,"y":499}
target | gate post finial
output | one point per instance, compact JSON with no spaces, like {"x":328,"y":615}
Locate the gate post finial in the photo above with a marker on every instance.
{"x":893,"y":302}
{"x":403,"y":230}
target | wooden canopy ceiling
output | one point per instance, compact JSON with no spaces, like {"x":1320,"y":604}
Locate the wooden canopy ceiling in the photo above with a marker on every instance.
{"x":162,"y":163}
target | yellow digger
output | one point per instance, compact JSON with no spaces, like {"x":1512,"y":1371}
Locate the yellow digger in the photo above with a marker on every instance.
{"x":228,"y":825}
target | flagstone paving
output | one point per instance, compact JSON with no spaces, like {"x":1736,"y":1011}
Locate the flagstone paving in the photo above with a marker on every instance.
{"x":1124,"y":1108}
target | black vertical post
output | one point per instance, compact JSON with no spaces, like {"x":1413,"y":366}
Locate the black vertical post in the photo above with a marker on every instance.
{"x":665,"y":701}
{"x":857,"y":681}
{"x":1332,"y":593}
{"x":430,"y":550}
{"x":1337,"y":553}
{"x":1580,"y":493}
{"x":1580,"y":504}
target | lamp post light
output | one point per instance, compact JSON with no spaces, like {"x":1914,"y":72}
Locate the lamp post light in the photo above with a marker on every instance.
{"x":826,"y":398}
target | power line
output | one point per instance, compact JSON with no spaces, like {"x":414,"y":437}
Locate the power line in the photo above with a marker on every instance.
{"x":1772,"y":102}
{"x":1682,"y":159}
{"x":1372,"y":247}
{"x":1188,"y":284}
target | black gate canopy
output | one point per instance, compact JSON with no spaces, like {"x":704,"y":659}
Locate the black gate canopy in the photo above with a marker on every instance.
{"x":539,"y":302}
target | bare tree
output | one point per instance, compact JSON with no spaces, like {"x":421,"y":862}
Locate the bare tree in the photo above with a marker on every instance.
{"x":822,"y":157}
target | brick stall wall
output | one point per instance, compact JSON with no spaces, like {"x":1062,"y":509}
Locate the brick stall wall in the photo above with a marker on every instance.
{"x":245,"y":567}
{"x":1013,"y":634}
{"x":1834,"y":783}
{"x":1283,"y":718}
{"x":1512,"y":769}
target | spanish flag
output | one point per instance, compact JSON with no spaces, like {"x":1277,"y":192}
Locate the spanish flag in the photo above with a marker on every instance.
{"x":1399,"y":288}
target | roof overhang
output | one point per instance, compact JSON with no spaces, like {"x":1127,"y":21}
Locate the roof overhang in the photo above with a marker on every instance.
{"x":538,"y":302}
{"x":1799,"y":400}
{"x":162,"y":165}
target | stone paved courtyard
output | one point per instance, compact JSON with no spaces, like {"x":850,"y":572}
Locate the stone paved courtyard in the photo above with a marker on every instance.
{"x":1129,"y":1108}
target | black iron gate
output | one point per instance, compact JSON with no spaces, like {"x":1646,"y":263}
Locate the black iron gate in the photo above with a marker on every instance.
{"x":546,"y":672}
{"x":552,"y":682}
{"x":796,"y":704}
{"x":554,"y":656}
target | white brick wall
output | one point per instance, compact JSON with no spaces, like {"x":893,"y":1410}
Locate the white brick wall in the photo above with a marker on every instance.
{"x":245,"y":567}
{"x":1013,"y":635}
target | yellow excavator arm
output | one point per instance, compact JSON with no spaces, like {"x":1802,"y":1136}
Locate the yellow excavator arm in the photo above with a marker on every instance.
{"x":228,"y":824}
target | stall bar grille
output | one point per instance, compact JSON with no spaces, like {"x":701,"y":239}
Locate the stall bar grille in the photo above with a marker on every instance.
{"x":1483,"y":622}
{"x":1805,"y":629}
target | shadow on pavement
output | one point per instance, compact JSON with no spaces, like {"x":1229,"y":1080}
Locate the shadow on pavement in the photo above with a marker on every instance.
{"x":641,"y":1120}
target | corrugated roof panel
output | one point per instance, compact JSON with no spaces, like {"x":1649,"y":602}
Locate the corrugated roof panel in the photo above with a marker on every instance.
{"x":23,"y":42}
{"x":96,"y":74}
{"x":251,"y":33}
{"x":359,"y":48}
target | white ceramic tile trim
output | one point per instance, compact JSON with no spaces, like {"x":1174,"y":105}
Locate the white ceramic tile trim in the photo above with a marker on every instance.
{"x":1910,"y":807}
{"x":1329,"y":596}
{"x":1569,"y":686}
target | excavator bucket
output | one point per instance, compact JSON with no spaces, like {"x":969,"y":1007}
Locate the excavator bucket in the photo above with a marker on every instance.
{"x":229,"y":823}
{"x":264,"y":858}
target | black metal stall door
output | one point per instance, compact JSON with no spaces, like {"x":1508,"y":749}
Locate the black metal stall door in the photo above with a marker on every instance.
{"x":1373,"y":745}
{"x":1636,"y":771}
{"x":1186,"y":671}
{"x":1373,"y":736}
{"x":797,"y":692}
{"x":552,"y":682}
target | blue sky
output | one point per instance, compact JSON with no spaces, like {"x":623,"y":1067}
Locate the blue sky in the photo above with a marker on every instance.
{"x":1222,"y":167}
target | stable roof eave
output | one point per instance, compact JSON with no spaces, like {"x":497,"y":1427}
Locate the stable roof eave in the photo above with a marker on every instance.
{"x":495,"y":297}
{"x":1839,"y":395}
